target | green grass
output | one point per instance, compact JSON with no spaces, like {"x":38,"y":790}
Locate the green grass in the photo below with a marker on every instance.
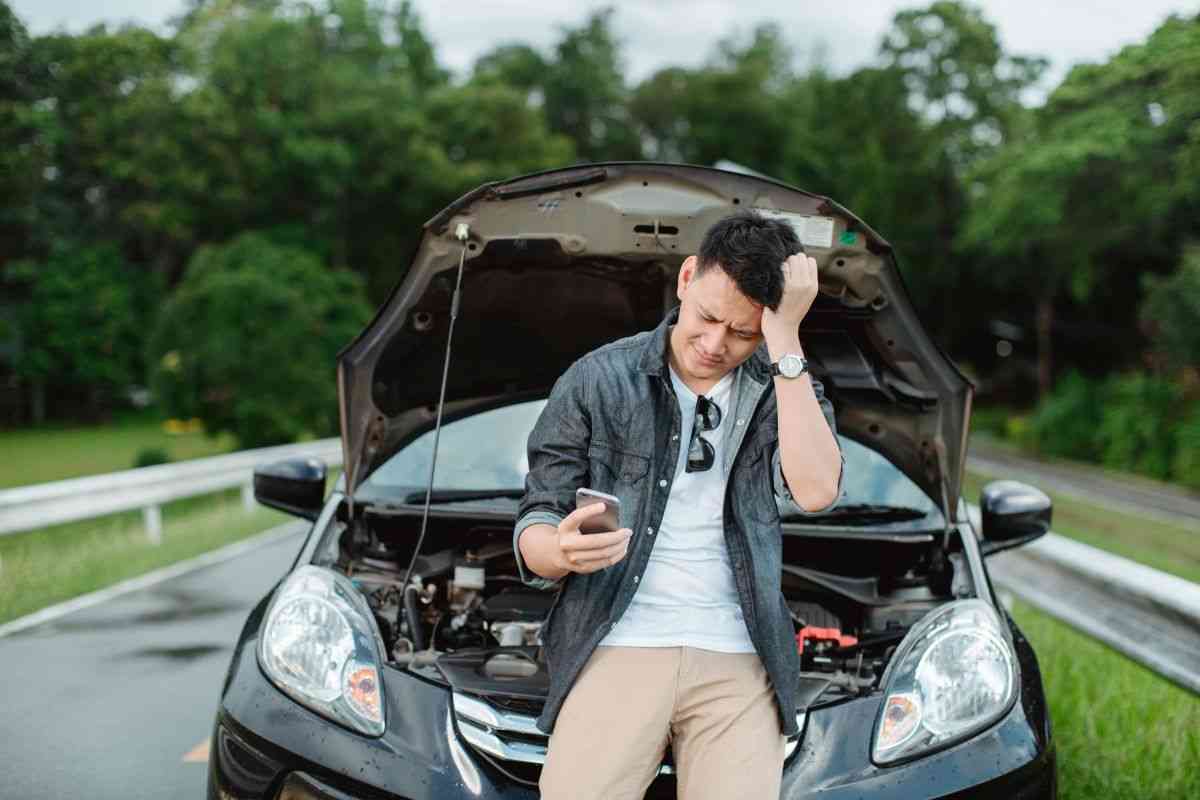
{"x":36,"y":455}
{"x":1121,"y":731}
{"x":50,"y":565}
{"x":1162,"y":545}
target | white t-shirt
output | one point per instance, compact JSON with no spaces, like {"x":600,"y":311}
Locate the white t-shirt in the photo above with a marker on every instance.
{"x":687,"y":595}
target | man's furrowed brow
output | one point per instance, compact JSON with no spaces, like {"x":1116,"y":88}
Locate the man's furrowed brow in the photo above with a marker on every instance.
{"x":737,"y":329}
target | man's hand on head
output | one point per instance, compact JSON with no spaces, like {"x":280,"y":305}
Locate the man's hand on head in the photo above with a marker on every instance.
{"x":781,"y":327}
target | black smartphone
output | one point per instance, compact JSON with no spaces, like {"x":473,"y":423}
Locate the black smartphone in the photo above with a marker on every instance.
{"x":608,"y":520}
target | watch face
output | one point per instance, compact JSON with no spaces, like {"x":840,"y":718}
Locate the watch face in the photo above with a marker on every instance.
{"x":790,"y":366}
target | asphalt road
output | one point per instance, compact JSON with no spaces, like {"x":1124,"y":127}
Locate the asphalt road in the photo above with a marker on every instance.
{"x":117,"y":700}
{"x":1132,"y":494}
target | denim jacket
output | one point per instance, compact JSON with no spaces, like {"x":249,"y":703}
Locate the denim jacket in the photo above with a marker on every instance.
{"x":612,"y":423}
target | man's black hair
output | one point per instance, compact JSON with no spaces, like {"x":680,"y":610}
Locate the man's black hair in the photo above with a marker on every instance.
{"x":751,"y":249}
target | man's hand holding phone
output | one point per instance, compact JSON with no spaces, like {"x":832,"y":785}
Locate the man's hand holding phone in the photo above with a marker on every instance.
{"x":553,"y":552}
{"x":594,"y":550}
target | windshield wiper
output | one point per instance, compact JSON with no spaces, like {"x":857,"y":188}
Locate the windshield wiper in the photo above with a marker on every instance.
{"x":455,"y":495}
{"x":865,"y":512}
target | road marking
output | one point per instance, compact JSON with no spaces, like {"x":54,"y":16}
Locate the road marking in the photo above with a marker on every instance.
{"x":198,"y":754}
{"x":225,"y":553}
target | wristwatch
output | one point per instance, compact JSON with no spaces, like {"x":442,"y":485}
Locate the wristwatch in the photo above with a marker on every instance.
{"x":790,"y":365}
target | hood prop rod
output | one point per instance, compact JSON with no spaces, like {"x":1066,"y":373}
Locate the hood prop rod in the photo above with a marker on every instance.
{"x":462,"y":232}
{"x":950,"y":530}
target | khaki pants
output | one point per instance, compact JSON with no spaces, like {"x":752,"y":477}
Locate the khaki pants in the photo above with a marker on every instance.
{"x":717,"y":710}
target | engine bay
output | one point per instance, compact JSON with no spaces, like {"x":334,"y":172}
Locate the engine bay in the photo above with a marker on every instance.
{"x":466,"y":615}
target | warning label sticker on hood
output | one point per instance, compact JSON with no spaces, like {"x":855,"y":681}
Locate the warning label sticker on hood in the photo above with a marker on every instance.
{"x":813,"y":231}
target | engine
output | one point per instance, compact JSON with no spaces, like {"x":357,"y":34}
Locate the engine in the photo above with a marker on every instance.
{"x":466,"y":606}
{"x":455,"y":599}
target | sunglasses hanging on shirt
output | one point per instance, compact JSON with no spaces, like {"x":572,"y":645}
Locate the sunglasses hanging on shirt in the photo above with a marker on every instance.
{"x":701,"y":454}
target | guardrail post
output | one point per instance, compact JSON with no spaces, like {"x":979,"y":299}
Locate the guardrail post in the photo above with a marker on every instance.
{"x":152,"y":518}
{"x":248,"y":497}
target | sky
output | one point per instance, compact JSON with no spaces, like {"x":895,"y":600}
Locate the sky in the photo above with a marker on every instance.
{"x":656,"y":33}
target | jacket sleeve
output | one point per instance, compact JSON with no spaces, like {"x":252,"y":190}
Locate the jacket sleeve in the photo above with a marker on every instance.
{"x":787,"y":503}
{"x":558,"y":462}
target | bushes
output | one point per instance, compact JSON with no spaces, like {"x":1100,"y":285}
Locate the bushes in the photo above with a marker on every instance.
{"x":151,"y":456}
{"x":249,"y":339}
{"x":1135,"y":422}
{"x":1185,"y":467}
{"x":1065,"y":423}
{"x":1137,"y":429}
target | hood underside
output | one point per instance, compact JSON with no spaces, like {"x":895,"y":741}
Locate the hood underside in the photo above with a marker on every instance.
{"x":561,"y":262}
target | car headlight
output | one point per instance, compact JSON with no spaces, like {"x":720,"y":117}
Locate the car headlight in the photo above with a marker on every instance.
{"x":953,"y":675}
{"x":320,"y":646}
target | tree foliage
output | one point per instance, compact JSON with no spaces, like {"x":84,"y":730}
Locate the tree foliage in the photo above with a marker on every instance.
{"x":331,"y":128}
{"x":1171,"y":311}
{"x":706,"y":114}
{"x":248,"y":341}
{"x":1101,"y":186}
{"x":22,"y":156}
{"x":958,"y":75}
{"x":81,"y":322}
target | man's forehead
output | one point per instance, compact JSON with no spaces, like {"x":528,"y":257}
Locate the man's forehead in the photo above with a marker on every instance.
{"x":720,"y":298}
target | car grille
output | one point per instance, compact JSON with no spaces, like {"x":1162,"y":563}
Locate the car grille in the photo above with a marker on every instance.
{"x":505,"y":729}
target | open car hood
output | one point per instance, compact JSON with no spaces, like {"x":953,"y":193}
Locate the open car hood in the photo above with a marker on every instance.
{"x":560,"y":262}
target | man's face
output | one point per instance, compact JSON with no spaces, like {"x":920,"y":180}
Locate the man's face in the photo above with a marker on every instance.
{"x":718,"y":328}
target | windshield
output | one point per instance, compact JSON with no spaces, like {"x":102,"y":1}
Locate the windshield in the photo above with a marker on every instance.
{"x":486,"y":451}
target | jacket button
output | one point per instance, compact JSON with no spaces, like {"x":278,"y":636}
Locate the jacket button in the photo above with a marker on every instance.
{"x":649,"y":531}
{"x":637,"y":578}
{"x":663,"y":483}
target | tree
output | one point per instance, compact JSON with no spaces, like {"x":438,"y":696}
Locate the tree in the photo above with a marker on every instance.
{"x":958,"y":75}
{"x":517,"y":66}
{"x":579,"y":87}
{"x":305,"y":121}
{"x":81,"y":326}
{"x":1100,"y":188}
{"x":23,"y":150}
{"x":248,"y":341}
{"x":856,"y":139}
{"x":585,"y":92}
{"x":1171,"y":310}
{"x":704,"y":115}
{"x":112,"y":133}
{"x":315,"y":125}
{"x":489,"y":132}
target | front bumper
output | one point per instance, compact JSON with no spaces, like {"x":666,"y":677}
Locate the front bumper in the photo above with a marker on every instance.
{"x":267,"y":746}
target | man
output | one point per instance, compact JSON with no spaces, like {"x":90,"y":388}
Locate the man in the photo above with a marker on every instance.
{"x":673,"y":629}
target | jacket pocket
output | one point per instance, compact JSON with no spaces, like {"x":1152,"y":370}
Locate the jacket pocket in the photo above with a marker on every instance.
{"x":611,"y":467}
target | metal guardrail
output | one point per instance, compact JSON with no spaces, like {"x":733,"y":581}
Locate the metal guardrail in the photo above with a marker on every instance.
{"x":147,"y":488}
{"x":1148,"y":615}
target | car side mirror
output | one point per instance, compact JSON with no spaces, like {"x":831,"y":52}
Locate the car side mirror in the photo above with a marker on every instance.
{"x":1012,"y":513}
{"x":296,"y":486}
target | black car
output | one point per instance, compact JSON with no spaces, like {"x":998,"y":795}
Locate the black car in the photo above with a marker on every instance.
{"x":400,"y":656}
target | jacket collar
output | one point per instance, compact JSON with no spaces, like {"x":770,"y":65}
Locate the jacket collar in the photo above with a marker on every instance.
{"x":653,"y":360}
